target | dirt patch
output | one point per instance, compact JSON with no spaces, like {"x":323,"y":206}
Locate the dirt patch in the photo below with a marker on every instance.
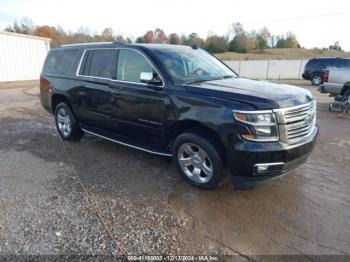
{"x":148,"y":207}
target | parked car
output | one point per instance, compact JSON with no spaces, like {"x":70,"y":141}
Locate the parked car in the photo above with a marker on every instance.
{"x":336,"y":81}
{"x":180,"y":102}
{"x":314,"y":68}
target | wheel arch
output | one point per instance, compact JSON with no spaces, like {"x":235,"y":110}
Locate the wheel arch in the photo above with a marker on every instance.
{"x":58,"y":98}
{"x":183,"y":126}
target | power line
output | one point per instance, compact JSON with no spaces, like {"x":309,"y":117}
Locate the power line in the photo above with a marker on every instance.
{"x":294,"y":18}
{"x":281,"y":19}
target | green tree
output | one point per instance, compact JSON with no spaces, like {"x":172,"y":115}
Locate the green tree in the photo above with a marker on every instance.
{"x":140,"y":40}
{"x":240,"y":39}
{"x":281,"y":42}
{"x":192,"y":39}
{"x":174,"y":39}
{"x":215,"y":44}
{"x":336,"y":46}
{"x":262,"y":38}
{"x":288,"y":41}
{"x":291,"y":41}
{"x":238,"y":44}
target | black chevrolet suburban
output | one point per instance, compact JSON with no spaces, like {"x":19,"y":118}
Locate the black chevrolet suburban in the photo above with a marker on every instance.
{"x":180,"y":102}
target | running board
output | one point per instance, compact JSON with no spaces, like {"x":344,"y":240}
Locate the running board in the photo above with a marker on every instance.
{"x":125,"y":141}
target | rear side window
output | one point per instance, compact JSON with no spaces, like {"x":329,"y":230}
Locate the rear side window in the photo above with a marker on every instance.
{"x":311,"y":62}
{"x":345,"y":63}
{"x":130,"y":64}
{"x":323,"y":63}
{"x":103,"y":63}
{"x":332,"y":62}
{"x":61,"y":62}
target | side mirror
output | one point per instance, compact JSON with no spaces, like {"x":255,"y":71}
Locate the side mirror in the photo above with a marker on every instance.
{"x":150,"y":78}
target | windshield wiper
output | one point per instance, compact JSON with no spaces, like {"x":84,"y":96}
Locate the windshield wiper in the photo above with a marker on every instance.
{"x":209,"y":79}
{"x":203,"y":80}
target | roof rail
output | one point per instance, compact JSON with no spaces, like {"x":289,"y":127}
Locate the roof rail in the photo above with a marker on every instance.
{"x":87,"y":43}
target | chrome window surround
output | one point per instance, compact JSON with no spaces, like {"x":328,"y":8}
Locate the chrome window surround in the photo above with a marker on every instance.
{"x":116,"y":80}
{"x":91,"y":43}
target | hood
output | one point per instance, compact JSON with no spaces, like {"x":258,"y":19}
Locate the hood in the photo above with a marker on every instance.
{"x":260,"y":94}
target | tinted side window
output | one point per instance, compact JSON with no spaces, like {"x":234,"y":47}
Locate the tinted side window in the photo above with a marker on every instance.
{"x":51,"y":61}
{"x":103,"y":63}
{"x":311,"y":62}
{"x":334,"y":62}
{"x":324,"y":62}
{"x":66,"y":62}
{"x":130,"y":64}
{"x":345,"y":63}
{"x":60,"y":62}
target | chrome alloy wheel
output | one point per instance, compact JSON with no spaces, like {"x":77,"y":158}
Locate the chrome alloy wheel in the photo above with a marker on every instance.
{"x":64,"y":122}
{"x":317,"y":80}
{"x":195,"y":162}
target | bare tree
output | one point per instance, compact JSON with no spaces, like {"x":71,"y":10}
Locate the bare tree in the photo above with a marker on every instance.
{"x":107,"y":34}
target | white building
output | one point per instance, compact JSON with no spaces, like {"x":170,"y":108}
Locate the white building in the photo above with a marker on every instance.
{"x":22,"y":56}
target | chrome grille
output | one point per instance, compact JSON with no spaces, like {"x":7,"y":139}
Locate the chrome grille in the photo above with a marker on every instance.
{"x":297,"y":114}
{"x":296,"y":123}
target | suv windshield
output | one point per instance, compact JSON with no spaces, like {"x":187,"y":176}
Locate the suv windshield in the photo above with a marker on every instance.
{"x":186,"y":65}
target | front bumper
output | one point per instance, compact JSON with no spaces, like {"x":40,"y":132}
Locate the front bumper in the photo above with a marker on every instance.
{"x":247,"y":157}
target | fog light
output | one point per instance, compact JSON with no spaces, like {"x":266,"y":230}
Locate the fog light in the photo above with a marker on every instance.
{"x":268,"y":168}
{"x":262,"y":169}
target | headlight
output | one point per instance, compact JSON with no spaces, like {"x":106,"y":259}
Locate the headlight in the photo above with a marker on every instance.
{"x":262,"y":125}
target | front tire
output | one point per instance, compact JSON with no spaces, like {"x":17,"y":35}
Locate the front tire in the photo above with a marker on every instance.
{"x":316,"y":80}
{"x":66,"y":124}
{"x":198,"y":159}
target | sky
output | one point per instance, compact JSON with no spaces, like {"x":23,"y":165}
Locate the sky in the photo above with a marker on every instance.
{"x":316,"y":23}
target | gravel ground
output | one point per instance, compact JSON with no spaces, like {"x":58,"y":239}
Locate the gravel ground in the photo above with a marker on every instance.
{"x":144,"y":207}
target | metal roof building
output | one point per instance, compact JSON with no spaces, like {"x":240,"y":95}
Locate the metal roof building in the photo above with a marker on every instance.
{"x":22,"y":56}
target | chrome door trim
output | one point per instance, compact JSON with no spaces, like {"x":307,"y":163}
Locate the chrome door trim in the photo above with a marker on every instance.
{"x":125,"y":144}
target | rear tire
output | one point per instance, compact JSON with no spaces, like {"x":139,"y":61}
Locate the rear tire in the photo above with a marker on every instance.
{"x":316,"y":80}
{"x":66,"y":124}
{"x":198,"y":159}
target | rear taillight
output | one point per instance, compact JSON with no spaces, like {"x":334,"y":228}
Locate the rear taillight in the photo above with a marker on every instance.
{"x":325,"y":75}
{"x":44,"y":84}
